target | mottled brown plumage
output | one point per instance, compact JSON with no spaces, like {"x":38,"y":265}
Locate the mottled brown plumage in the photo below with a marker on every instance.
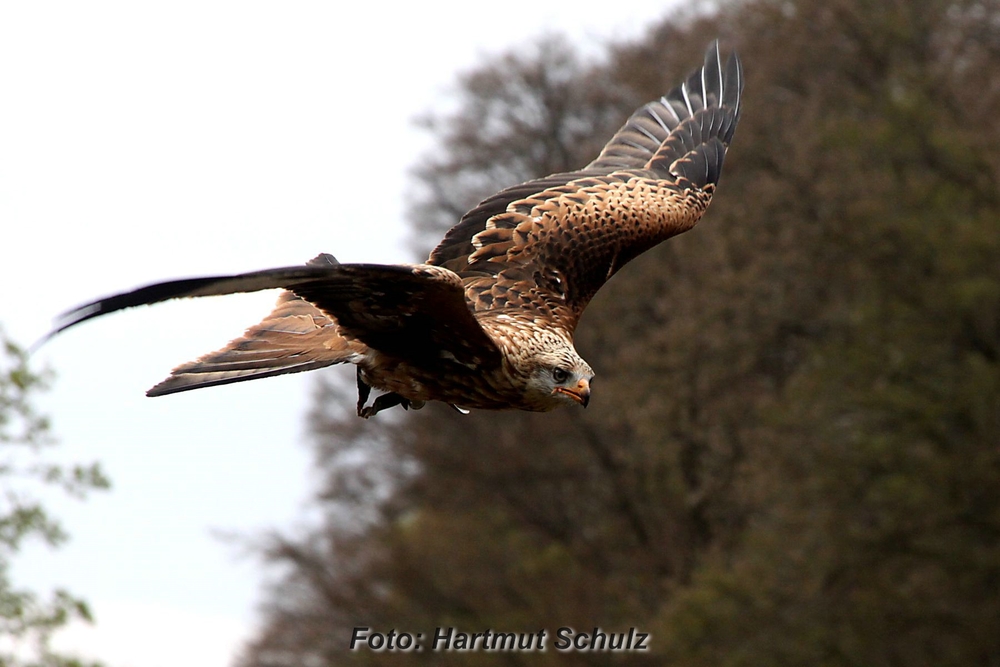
{"x":488,"y":321}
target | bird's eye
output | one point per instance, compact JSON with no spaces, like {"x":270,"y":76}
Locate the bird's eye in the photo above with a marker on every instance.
{"x":560,"y":375}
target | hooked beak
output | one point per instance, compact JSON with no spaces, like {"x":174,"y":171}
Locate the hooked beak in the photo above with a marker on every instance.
{"x":580,"y":393}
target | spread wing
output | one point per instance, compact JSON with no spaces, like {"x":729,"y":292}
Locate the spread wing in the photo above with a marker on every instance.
{"x":544,"y":248}
{"x":414,"y":312}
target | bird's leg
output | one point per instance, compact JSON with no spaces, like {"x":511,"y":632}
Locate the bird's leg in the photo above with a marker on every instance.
{"x":364,"y":391}
{"x":384,"y":402}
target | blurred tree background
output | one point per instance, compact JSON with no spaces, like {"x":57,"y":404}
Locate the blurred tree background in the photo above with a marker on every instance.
{"x":793,"y":452}
{"x":27,"y":621}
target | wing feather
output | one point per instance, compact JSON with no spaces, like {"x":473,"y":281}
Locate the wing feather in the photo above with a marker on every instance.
{"x":414,"y":312}
{"x":570,"y":232}
{"x":194,"y":287}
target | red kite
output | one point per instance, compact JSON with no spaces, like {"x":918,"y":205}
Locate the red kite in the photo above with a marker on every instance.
{"x":487,"y":321}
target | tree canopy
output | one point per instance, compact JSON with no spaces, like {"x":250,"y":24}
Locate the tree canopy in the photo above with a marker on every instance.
{"x":27,"y":621}
{"x":792,"y":453}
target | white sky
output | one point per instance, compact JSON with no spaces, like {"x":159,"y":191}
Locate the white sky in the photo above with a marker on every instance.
{"x":143,"y":141}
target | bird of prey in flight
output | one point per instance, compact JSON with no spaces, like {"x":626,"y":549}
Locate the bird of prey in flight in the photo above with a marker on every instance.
{"x":487,"y":321}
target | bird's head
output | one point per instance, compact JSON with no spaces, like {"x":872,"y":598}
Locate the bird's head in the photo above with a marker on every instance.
{"x":559,"y":376}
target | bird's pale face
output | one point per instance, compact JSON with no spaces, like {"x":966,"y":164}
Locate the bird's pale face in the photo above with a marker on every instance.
{"x":559,"y":377}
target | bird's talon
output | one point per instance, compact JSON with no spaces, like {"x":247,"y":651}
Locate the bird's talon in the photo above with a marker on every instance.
{"x":364,"y":391}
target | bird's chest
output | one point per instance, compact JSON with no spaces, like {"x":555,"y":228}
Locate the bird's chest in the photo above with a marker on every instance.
{"x":445,"y":381}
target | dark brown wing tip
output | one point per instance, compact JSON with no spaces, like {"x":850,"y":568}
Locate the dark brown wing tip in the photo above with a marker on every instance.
{"x":142,"y":296}
{"x":685,"y":132}
{"x":705,"y":110}
{"x":191,"y":287}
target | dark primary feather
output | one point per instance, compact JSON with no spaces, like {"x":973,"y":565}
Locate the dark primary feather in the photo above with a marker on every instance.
{"x":709,"y":100}
{"x":192,"y":287}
